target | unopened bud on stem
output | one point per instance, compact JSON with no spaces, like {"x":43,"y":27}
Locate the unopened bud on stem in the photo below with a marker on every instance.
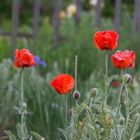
{"x":94,"y":92}
{"x":127,"y":78}
{"x":76,"y":95}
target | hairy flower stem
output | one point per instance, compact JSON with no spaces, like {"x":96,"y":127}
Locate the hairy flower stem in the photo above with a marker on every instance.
{"x":66,"y":65}
{"x":75,"y":74}
{"x":106,"y":64}
{"x":106,"y":75}
{"x":91,"y":101}
{"x":66,"y":109}
{"x":22,"y":102}
{"x":121,"y":89}
{"x":76,"y":66}
{"x":66,"y":100}
{"x":122,"y":72}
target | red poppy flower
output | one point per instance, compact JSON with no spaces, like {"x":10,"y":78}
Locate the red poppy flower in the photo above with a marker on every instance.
{"x":63,"y":83}
{"x":124,"y":60}
{"x":106,"y":40}
{"x":23,"y":58}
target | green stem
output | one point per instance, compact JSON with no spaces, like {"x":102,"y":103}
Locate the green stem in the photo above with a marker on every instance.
{"x":22,"y":102}
{"x":66,"y":108}
{"x":106,"y":75}
{"x":126,"y":94}
{"x":66,"y":65}
{"x":121,"y":89}
{"x":120,"y":93}
{"x":90,"y":104}
{"x":106,"y":65}
{"x":76,"y":66}
{"x":122,"y":72}
{"x":22,"y":88}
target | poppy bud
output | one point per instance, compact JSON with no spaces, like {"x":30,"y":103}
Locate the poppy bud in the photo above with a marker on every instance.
{"x":23,"y":105}
{"x":94,"y":92}
{"x":127,"y":78}
{"x":76,"y":95}
{"x":108,"y":119}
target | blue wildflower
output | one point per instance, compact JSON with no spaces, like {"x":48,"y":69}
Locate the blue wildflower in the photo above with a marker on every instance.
{"x":39,"y":61}
{"x":43,"y":63}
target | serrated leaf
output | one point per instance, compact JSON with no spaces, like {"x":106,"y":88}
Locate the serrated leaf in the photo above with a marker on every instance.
{"x":37,"y":136}
{"x":10,"y":135}
{"x":134,"y":108}
{"x":31,"y":138}
{"x":81,"y":107}
{"x":112,"y":134}
{"x":19,"y":131}
{"x":88,"y":108}
{"x":63,"y":132}
{"x":17,"y":109}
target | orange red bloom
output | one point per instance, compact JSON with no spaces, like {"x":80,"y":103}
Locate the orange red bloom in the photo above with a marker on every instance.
{"x":106,"y":40}
{"x":23,"y":58}
{"x":124,"y":60}
{"x":63,"y":83}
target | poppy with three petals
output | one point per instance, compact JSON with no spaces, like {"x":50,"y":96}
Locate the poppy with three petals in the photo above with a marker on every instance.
{"x":106,"y":40}
{"x":63,"y":83}
{"x":23,"y":58}
{"x":124,"y":60}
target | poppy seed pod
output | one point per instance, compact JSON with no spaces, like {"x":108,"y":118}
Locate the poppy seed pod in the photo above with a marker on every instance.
{"x":76,"y":95}
{"x":94,"y":92}
{"x":127,"y":78}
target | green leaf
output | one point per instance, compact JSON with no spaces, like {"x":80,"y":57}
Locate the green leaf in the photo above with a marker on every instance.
{"x":63,"y":132}
{"x":31,"y":138}
{"x":10,"y":135}
{"x":134,"y":108}
{"x":37,"y":136}
{"x":82,"y":106}
{"x":19,"y":131}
